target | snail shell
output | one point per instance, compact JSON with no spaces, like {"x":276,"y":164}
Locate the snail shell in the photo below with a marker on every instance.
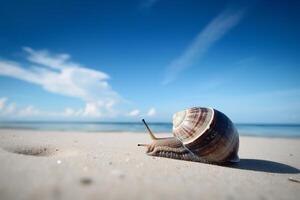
{"x":201,"y":135}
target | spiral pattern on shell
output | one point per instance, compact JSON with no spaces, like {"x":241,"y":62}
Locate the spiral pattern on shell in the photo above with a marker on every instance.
{"x":208,"y":134}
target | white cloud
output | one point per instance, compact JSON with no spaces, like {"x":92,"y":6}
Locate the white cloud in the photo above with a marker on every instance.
{"x":134,"y":113}
{"x":29,"y":111}
{"x":137,"y":112}
{"x":151,"y":112}
{"x":10,"y":109}
{"x":7,"y":108}
{"x":92,"y":109}
{"x":55,"y":61}
{"x":59,"y":75}
{"x":213,"y":32}
{"x":2,"y":102}
{"x":69,"y":112}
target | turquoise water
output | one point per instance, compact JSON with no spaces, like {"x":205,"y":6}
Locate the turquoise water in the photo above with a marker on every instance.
{"x":266,"y":130}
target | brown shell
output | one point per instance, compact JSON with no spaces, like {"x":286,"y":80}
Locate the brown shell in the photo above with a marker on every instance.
{"x":208,"y":134}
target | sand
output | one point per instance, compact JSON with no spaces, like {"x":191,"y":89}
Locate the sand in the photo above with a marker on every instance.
{"x":69,"y":165}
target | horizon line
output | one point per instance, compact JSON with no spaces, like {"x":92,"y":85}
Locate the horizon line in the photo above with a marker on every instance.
{"x":131,"y":122}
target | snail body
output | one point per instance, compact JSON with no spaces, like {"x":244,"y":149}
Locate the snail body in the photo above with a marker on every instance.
{"x":201,"y":135}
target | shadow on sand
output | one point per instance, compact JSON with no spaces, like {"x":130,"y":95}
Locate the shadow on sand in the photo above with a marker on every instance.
{"x":265,"y":166}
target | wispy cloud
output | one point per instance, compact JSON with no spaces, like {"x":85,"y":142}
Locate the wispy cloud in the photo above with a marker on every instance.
{"x":213,"y":32}
{"x":6,"y":108}
{"x":59,"y":75}
{"x":11,"y":110}
{"x":134,"y":113}
{"x":137,"y":113}
{"x":29,"y":111}
{"x":2,"y":103}
{"x":151,"y":112}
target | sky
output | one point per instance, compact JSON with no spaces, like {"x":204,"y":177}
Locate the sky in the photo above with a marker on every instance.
{"x":128,"y":60}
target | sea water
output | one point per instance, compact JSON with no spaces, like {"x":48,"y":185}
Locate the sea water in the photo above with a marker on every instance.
{"x":265,"y":130}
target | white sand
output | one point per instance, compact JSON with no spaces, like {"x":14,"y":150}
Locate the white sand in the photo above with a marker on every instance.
{"x":69,"y":165}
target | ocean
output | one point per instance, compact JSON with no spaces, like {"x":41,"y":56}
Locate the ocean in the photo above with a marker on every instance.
{"x":263,"y":130}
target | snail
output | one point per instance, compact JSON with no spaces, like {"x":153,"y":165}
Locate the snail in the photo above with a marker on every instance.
{"x":200,"y":134}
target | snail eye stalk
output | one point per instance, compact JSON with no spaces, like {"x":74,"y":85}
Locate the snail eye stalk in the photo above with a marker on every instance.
{"x":149,"y":131}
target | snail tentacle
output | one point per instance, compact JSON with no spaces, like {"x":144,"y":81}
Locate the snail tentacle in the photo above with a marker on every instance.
{"x":143,"y":145}
{"x":149,"y":130}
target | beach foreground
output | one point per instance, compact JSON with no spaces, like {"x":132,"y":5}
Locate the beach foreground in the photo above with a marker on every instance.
{"x":69,"y":165}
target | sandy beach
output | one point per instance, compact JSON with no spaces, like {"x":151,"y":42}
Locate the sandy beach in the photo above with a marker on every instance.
{"x":72,"y":165}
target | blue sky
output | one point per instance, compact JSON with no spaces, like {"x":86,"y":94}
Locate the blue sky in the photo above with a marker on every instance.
{"x":124,"y":60}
